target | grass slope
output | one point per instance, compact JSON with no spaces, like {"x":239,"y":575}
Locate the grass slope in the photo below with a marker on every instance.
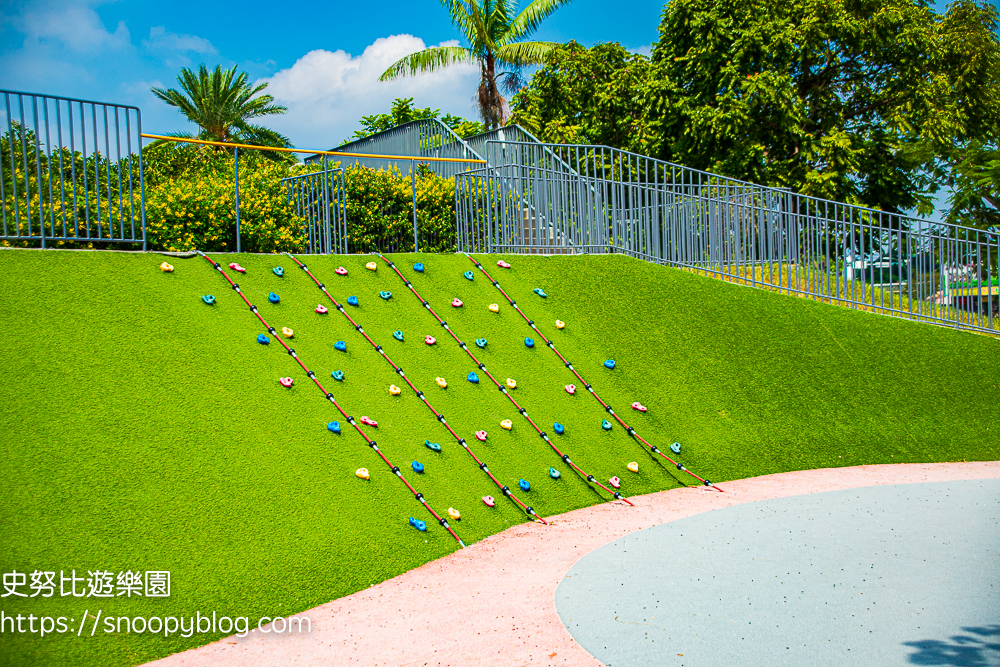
{"x":144,"y":430}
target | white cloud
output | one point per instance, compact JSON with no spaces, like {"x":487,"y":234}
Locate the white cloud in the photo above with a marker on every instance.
{"x":160,"y":39}
{"x":327,"y":92}
{"x":73,"y":23}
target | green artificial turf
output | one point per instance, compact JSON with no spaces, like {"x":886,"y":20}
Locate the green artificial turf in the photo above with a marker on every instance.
{"x":144,"y":430}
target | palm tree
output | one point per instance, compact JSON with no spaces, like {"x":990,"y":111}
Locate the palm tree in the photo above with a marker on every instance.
{"x":494,"y":35}
{"x":221,"y":103}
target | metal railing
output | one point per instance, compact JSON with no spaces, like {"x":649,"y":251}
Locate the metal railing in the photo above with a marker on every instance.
{"x":318,"y":198}
{"x":70,"y":171}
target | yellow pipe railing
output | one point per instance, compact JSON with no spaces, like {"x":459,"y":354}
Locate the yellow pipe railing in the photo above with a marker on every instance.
{"x":224,"y":144}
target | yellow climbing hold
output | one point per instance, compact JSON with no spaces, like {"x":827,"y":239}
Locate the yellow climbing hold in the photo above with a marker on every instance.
{"x":371,"y":266}
{"x":633,"y":466}
{"x":286,"y":332}
{"x":441,"y":382}
{"x":511,"y":384}
{"x":362,"y":473}
{"x":454,"y":513}
{"x":167,"y":268}
{"x":394,"y":390}
{"x":507,"y":424}
{"x":560,"y":324}
{"x":494,"y":308}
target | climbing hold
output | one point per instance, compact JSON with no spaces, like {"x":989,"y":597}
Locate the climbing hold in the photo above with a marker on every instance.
{"x":430,"y":340}
{"x":570,"y":388}
{"x":558,"y":428}
{"x":554,"y":474}
{"x":273,"y":298}
{"x":615,"y":482}
{"x":502,"y":264}
{"x":454,"y":514}
{"x":362,"y":473}
{"x":166,"y":268}
{"x":278,"y":271}
{"x":633,"y":466}
{"x":352,"y":301}
{"x":441,"y":382}
{"x":507,"y":424}
{"x":523,"y":483}
{"x":333,"y":426}
{"x":560,"y":324}
{"x":432,"y":445}
{"x":605,"y":424}
{"x":371,"y":266}
{"x":488,"y":501}
{"x":473,"y":378}
{"x":385,"y":295}
{"x":676,"y":448}
{"x":456,"y":302}
{"x":368,"y":421}
{"x":321,"y":309}
{"x":481,"y":436}
{"x":493,"y":308}
{"x":539,"y":292}
{"x":262,"y":339}
{"x":340,"y":345}
{"x":397,"y":334}
{"x":528,"y":342}
{"x":417,"y":466}
{"x":511,"y":383}
{"x":610,"y":363}
{"x":417,"y":523}
{"x":287,"y":333}
{"x":394,"y":390}
{"x":208,"y":298}
{"x":481,"y":342}
{"x":236,"y":267}
{"x":338,"y":375}
{"x":638,"y":406}
{"x":340,"y":271}
{"x":469,"y":275}
{"x":286,"y":382}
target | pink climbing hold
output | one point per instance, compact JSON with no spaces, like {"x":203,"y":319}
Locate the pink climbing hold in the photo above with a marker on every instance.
{"x":502,"y":264}
{"x":481,"y":436}
{"x":286,"y":382}
{"x":368,"y":421}
{"x":457,"y":303}
{"x":321,"y":309}
{"x":570,"y":389}
{"x":236,"y":267}
{"x":430,"y":340}
{"x":340,"y":271}
{"x":638,"y":406}
{"x":615,"y":482}
{"x":488,"y":501}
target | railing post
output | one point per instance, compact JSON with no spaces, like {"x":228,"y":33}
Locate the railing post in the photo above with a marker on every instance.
{"x":236,"y":179}
{"x":326,"y":209}
{"x":413,"y":182}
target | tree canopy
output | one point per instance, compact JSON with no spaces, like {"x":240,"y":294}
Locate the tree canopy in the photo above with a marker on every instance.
{"x":403,"y":111}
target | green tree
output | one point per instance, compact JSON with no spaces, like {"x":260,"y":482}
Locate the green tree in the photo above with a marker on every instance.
{"x":403,"y":112}
{"x":495,"y":38}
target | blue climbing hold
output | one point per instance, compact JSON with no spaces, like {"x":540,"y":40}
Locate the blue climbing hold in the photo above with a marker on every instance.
{"x":209,"y":299}
{"x":333,"y":426}
{"x":385,"y":295}
{"x":529,"y":342}
{"x":397,"y":334}
{"x":481,"y":342}
{"x":473,"y":378}
{"x":605,"y":424}
{"x":432,"y":445}
{"x":418,"y":524}
{"x":352,"y":301}
{"x":417,"y":466}
{"x":554,"y":474}
{"x":539,"y":292}
{"x":273,"y":298}
{"x":262,"y":339}
{"x":418,"y":267}
{"x":469,"y":275}
{"x":338,"y":376}
{"x":558,"y":428}
{"x":340,"y":345}
{"x":524,"y":485}
{"x":676,"y":448}
{"x":610,"y":363}
{"x":278,"y":271}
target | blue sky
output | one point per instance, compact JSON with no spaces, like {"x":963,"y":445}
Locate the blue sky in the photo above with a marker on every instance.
{"x":322,"y":60}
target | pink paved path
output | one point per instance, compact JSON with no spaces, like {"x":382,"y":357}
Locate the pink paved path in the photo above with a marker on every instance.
{"x":494,"y":603}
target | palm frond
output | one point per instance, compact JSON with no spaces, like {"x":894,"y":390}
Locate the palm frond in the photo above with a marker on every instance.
{"x":530,"y":18}
{"x":428,"y":60}
{"x":522,"y":54}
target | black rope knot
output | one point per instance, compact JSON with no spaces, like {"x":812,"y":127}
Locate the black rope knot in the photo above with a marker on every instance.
{"x":590,"y":478}
{"x":506,"y":490}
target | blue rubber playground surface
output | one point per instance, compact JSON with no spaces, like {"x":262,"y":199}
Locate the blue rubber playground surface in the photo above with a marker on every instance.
{"x":889,"y":575}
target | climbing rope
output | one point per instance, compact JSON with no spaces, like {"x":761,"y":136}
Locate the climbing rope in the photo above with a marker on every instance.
{"x":399,"y":371}
{"x":350,"y":420}
{"x":631,"y":431}
{"x":481,"y":366}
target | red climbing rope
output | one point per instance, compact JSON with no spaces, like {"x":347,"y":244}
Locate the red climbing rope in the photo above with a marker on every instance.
{"x":399,"y":371}
{"x":631,"y":431}
{"x":329,"y":396}
{"x":481,"y":366}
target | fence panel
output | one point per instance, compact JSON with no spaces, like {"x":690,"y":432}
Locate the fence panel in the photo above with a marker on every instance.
{"x":319,"y":198}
